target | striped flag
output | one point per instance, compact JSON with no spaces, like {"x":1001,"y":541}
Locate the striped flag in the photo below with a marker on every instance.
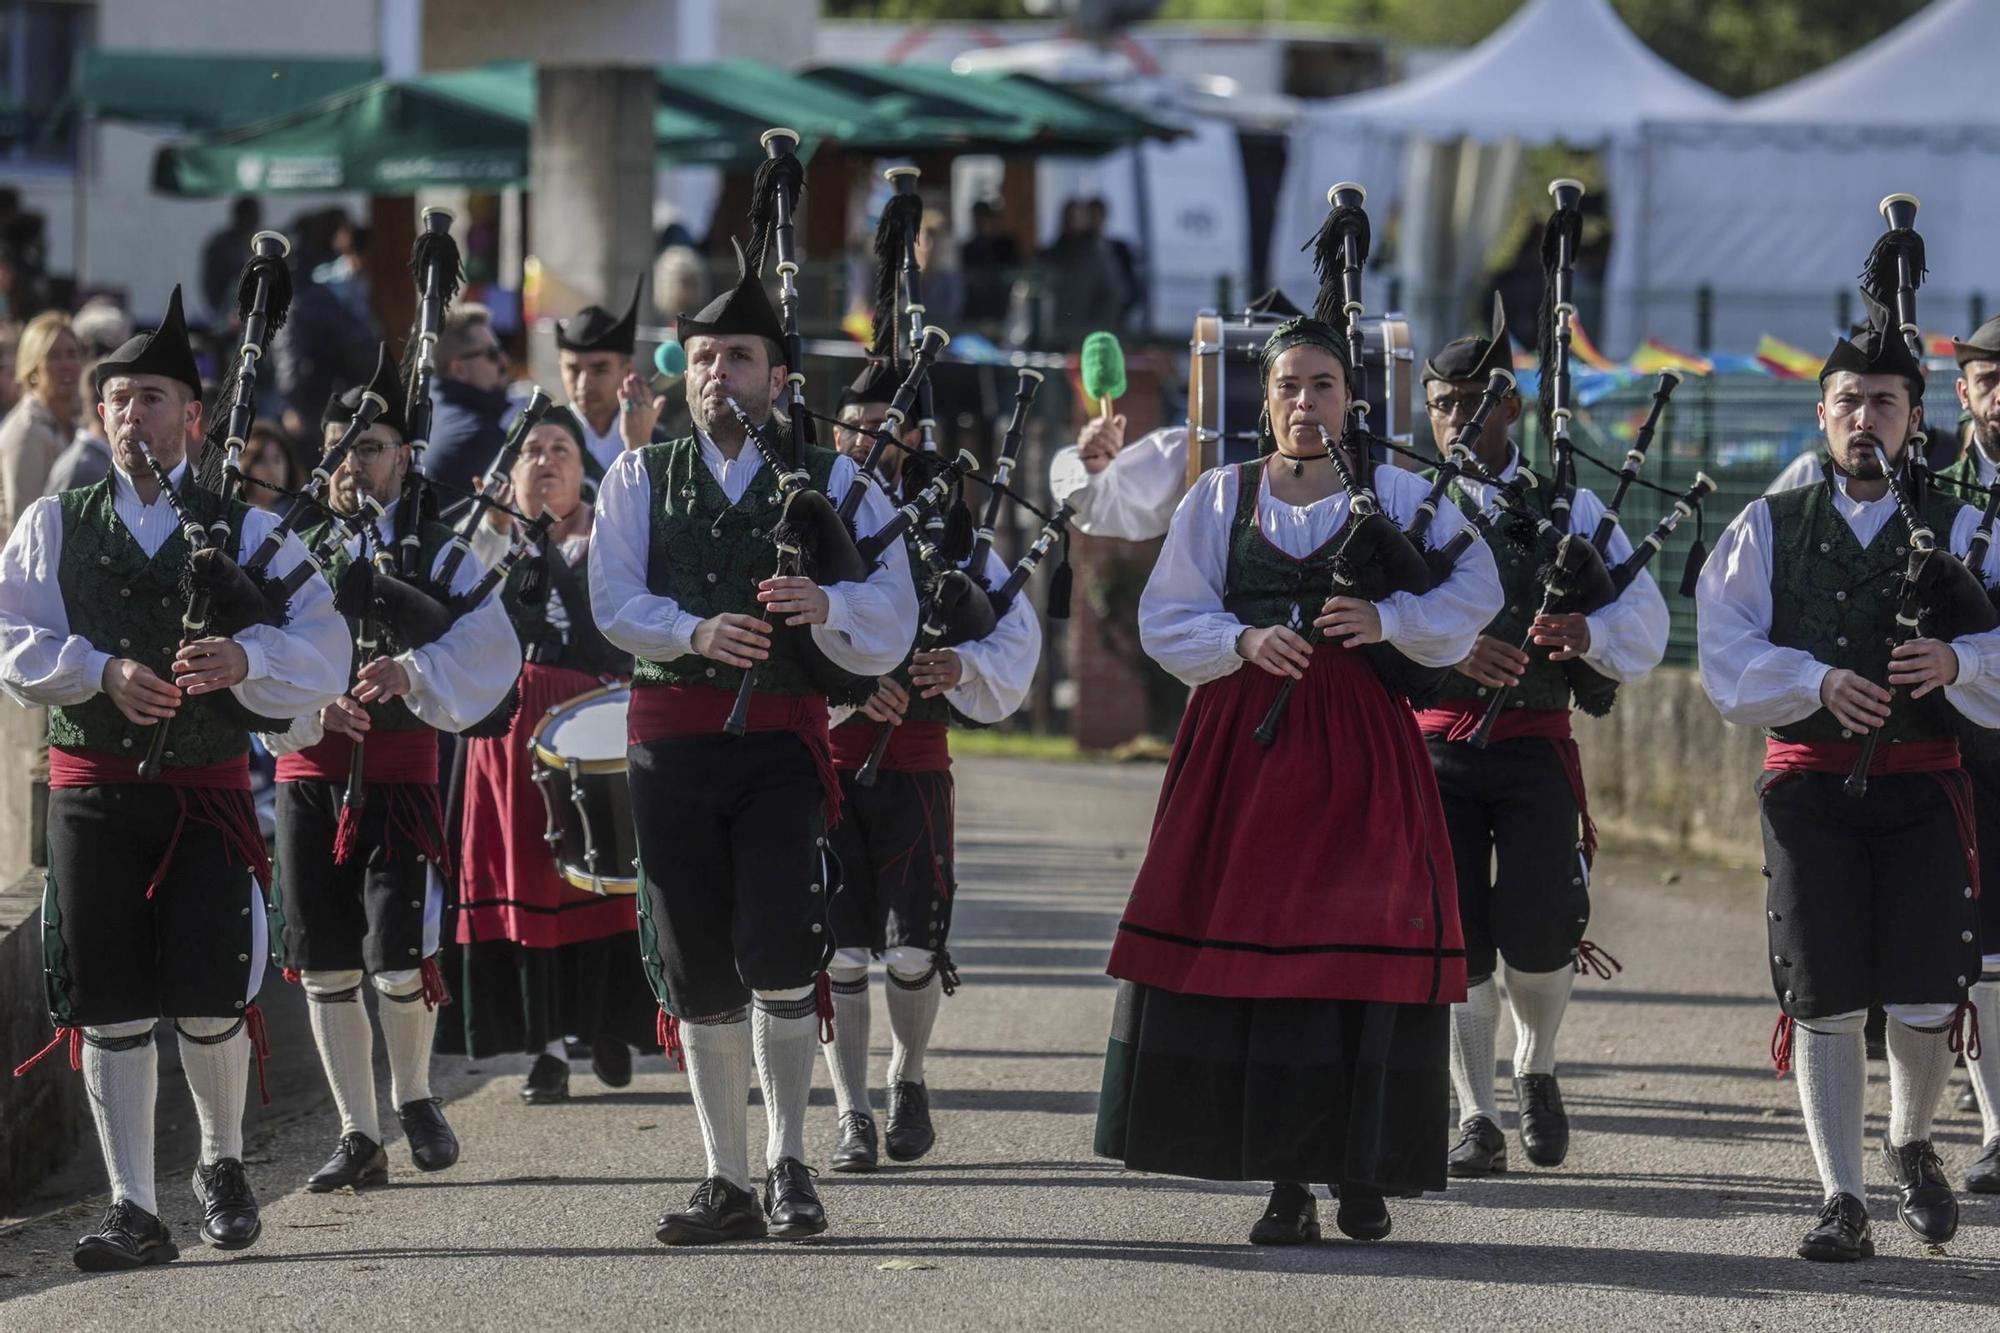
{"x":1785,"y":361}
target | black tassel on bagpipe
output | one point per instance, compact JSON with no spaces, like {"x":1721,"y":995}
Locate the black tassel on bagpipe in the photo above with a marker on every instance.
{"x":780,"y":172}
{"x":1896,"y":268}
{"x":436,"y":266}
{"x":902,"y":218}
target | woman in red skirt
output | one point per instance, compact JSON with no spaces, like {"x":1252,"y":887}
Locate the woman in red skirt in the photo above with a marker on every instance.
{"x":1291,"y":948}
{"x":539,"y":959}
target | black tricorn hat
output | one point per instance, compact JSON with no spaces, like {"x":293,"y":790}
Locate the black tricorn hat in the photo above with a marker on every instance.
{"x":386,"y":384}
{"x":1983,"y":345}
{"x":1274,"y":302}
{"x":595,"y":329}
{"x":745,"y":310}
{"x":163,"y":351}
{"x":1878,"y":349}
{"x":1474,"y":358}
{"x":877,"y":383}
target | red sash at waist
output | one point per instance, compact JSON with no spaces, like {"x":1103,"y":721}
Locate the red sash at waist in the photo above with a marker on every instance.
{"x":95,"y":768}
{"x":1839,"y":756}
{"x":676,"y":712}
{"x":914,"y":747}
{"x":387,"y":757}
{"x":1457,"y":719}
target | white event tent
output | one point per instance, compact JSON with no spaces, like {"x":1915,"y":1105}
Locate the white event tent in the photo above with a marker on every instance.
{"x":1442,"y":150}
{"x":1772,"y":205}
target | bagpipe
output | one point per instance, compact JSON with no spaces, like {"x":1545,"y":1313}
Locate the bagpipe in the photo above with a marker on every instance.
{"x":436,"y":266}
{"x":1938,"y":595}
{"x":1374,"y":558}
{"x":223,"y":597}
{"x":1575,"y":575}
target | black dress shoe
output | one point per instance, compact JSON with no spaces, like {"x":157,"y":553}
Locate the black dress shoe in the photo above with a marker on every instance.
{"x":357,"y":1160}
{"x":548,"y":1081}
{"x":1924,"y":1201}
{"x":228,"y":1208}
{"x":717,"y":1211}
{"x":857,"y":1150}
{"x":1967,"y":1099}
{"x":1290,"y":1218}
{"x":433,"y":1146}
{"x":1363,"y":1213}
{"x":1983,"y":1176}
{"x":1544,"y":1122}
{"x":611,"y":1061}
{"x":910,"y":1134}
{"x":129,"y":1237}
{"x":1481,"y":1150}
{"x":791,"y":1202}
{"x":1841,"y":1235}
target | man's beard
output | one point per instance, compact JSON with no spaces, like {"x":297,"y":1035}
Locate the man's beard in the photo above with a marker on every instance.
{"x":1869,"y":466}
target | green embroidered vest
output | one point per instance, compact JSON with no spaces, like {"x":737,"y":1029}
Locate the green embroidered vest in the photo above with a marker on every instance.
{"x":1979,"y":745}
{"x":709,"y":556}
{"x":1837,"y":601}
{"x":1543,"y":685}
{"x":130,"y":606}
{"x":1263,"y":586}
{"x":432,"y":538}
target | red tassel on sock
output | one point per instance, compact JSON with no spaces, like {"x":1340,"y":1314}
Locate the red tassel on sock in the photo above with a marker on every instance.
{"x":1964,"y":1039}
{"x":347,"y":834}
{"x":291,"y":974}
{"x":435,"y":995}
{"x":75,"y":1038}
{"x":1593,"y":957}
{"x":823,"y":1006}
{"x":260,"y":1050}
{"x":1781,"y":1045}
{"x":668,"y":1029}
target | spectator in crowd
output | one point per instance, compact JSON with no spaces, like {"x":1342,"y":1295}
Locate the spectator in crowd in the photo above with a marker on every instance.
{"x":1083,"y":287}
{"x":989,"y":261}
{"x":1096,"y":212}
{"x":88,"y":457}
{"x":101,"y":326}
{"x":49,"y":370}
{"x":223,"y":256}
{"x":468,"y":397}
{"x":937,"y":258}
{"x":270,"y":470}
{"x":346,"y":274}
{"x":323,"y":346}
{"x":10,"y":347}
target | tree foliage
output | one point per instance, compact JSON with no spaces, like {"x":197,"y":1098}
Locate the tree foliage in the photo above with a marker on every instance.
{"x":1737,"y":47}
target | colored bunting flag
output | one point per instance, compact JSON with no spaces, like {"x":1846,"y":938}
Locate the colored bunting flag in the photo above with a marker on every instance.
{"x":1785,"y":361}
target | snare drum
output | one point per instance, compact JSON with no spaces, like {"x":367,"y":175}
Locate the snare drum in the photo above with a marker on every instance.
{"x":1226,"y":396}
{"x":579,"y":753}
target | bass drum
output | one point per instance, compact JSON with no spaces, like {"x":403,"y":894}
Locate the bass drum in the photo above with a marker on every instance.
{"x":579,"y":753}
{"x":1225,"y":396}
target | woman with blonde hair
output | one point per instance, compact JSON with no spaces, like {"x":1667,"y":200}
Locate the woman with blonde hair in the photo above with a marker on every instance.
{"x":49,"y":369}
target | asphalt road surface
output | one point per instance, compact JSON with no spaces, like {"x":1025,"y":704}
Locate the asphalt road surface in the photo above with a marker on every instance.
{"x":1687,"y":1186}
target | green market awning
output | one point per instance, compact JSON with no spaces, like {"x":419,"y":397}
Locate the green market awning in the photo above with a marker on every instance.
{"x":207,"y":92}
{"x":1008,"y":114}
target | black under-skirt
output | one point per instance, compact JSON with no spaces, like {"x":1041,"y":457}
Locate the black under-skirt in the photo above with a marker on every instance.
{"x":509,"y":999}
{"x":1314,"y":1091}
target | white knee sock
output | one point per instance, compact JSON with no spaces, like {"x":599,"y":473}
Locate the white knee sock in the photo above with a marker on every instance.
{"x":215,"y":1055}
{"x":1985,"y":1071}
{"x":346,"y":1044}
{"x":847,"y":1053}
{"x":913,"y":1011}
{"x":408,"y":1025}
{"x":718,"y":1071}
{"x":783,"y":1032}
{"x":1472,"y":1024}
{"x":557,"y":1048}
{"x":123,"y":1087}
{"x":1920,"y":1064}
{"x":1832,"y":1070}
{"x":1538,"y":1000}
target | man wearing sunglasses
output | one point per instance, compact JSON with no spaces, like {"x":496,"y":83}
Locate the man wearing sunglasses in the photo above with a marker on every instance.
{"x":468,"y":397}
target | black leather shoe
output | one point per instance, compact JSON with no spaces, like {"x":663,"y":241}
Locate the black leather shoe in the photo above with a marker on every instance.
{"x":548,"y":1081}
{"x":1983,"y":1176}
{"x":1923,"y":1200}
{"x":910,"y":1134}
{"x":1290,"y":1218}
{"x":129,"y":1237}
{"x":433,"y":1146}
{"x":1363,"y":1213}
{"x":857,"y":1150}
{"x":357,"y":1160}
{"x":717,"y":1211}
{"x":1841,"y":1235}
{"x":791,"y":1202}
{"x":611,"y":1061}
{"x":1967,"y":1100}
{"x":1544,"y":1122}
{"x":228,"y":1208}
{"x":1481,"y":1150}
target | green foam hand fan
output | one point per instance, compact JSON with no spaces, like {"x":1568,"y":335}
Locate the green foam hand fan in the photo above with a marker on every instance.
{"x":1103,"y":370}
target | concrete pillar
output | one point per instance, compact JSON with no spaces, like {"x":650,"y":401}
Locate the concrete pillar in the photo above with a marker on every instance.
{"x":590,"y":207}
